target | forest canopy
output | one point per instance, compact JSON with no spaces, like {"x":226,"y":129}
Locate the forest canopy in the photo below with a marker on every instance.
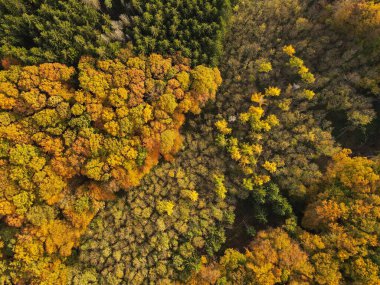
{"x":189,"y":142}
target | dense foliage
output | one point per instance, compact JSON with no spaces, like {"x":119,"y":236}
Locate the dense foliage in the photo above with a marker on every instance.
{"x":342,"y":246}
{"x":196,"y":29}
{"x":345,"y":216}
{"x":164,"y":225}
{"x":273,"y":257}
{"x":125,"y":161}
{"x":64,"y":150}
{"x":41,"y":31}
{"x":343,"y":58}
{"x":253,"y":121}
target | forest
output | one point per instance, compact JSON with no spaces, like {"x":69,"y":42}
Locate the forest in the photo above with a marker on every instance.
{"x":196,"y":142}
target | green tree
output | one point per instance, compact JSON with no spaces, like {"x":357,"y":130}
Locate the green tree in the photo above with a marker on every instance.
{"x":39,"y":31}
{"x":195,"y":29}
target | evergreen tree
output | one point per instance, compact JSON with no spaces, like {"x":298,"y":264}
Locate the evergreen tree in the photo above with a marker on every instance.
{"x":38,"y":31}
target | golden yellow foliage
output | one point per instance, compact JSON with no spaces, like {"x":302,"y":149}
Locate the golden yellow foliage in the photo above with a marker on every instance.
{"x":345,"y":216}
{"x":289,"y":50}
{"x":222,"y":127}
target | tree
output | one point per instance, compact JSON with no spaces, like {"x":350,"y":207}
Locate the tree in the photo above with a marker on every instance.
{"x":52,"y":31}
{"x":339,"y":47}
{"x":196,"y":30}
{"x":158,"y":232}
{"x":272,"y":140}
{"x":344,"y":216}
{"x":64,"y":151}
{"x":272,"y":258}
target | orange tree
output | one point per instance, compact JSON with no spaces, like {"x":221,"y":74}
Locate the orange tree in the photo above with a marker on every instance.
{"x":345,"y":217}
{"x":273,"y":257}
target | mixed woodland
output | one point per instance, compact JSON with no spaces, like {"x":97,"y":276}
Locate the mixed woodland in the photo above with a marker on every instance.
{"x":189,"y":142}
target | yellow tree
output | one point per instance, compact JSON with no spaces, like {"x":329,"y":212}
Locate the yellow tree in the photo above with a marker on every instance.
{"x":345,"y":215}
